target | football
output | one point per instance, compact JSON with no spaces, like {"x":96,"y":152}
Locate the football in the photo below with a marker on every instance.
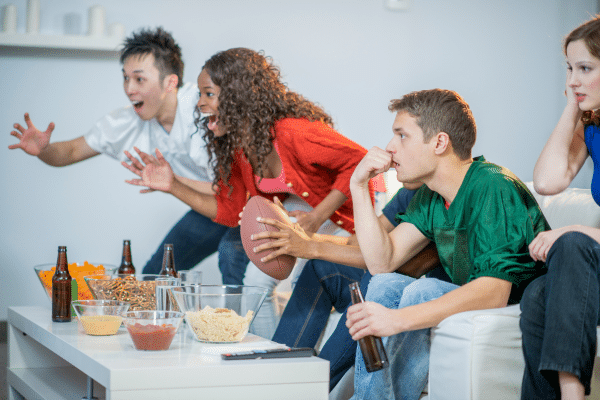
{"x":279,"y":268}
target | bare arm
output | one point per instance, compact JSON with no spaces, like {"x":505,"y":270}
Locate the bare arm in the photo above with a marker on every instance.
{"x":60,"y":154}
{"x":374,"y":319}
{"x":293,"y":240}
{"x":205,"y":204}
{"x":36,"y":143}
{"x":199,"y":186}
{"x":382,"y":251}
{"x":137,"y":168}
{"x":312,"y":221}
{"x":564,"y":154}
{"x":157,"y":174}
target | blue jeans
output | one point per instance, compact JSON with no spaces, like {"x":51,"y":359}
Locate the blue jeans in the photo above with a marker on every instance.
{"x":232,"y":257}
{"x":408,"y":352}
{"x":320,"y":286}
{"x":196,"y":237}
{"x":559,"y":315}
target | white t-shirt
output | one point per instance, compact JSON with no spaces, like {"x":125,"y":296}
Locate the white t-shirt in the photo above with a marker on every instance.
{"x":183,"y":147}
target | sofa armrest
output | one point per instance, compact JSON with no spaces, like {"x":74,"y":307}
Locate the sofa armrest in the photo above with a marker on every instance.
{"x":479,"y":353}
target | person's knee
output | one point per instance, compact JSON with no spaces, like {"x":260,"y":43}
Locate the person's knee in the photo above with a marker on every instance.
{"x":577,"y":247}
{"x":421,"y":291}
{"x":532,"y":303}
{"x":572,"y":241}
{"x":383,"y":287}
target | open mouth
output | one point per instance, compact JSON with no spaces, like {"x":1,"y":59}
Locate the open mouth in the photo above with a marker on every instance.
{"x":137,"y":104}
{"x":212,"y":121}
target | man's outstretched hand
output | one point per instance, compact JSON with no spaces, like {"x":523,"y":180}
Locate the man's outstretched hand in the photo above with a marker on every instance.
{"x":31,"y":140}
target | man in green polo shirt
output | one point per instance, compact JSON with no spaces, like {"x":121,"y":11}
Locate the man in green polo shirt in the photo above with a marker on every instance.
{"x":480,"y":216}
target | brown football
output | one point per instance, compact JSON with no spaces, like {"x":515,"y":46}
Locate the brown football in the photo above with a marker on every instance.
{"x":279,"y":268}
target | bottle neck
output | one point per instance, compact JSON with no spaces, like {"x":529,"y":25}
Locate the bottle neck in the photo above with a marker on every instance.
{"x":168,"y":264}
{"x":62,"y":266}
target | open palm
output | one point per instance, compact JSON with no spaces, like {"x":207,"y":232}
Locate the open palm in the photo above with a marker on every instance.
{"x":155,"y":174}
{"x":31,"y":140}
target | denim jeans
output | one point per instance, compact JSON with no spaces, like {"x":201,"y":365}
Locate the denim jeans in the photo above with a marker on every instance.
{"x":233,"y":260}
{"x":408,"y":352}
{"x":559,"y":315}
{"x":196,"y":237}
{"x":321,"y":286}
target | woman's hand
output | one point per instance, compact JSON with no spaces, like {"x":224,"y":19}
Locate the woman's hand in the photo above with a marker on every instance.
{"x":540,"y":246}
{"x":309,"y":221}
{"x":155,"y":172}
{"x":31,"y":140}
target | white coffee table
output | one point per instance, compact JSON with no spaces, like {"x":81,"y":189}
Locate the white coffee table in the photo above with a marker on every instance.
{"x":49,"y":360}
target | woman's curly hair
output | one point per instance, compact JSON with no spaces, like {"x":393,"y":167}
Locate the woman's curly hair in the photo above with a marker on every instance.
{"x":251,"y":99}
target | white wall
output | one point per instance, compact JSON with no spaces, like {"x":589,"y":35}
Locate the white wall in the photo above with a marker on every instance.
{"x":351,"y":56}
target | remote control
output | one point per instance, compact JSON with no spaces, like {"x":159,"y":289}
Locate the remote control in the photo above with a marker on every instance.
{"x":274,"y":353}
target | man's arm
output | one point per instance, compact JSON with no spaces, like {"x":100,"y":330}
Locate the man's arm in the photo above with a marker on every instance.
{"x":294,"y":241}
{"x":60,"y":154}
{"x":370,"y":318}
{"x":36,"y":143}
{"x":383,"y":251}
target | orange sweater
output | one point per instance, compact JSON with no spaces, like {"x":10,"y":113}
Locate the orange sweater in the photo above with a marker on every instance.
{"x":316,"y":159}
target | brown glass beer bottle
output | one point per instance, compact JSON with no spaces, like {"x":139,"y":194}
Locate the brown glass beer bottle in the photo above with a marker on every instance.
{"x":168,"y":263}
{"x":371,"y":346}
{"x":61,"y":288}
{"x":126,"y":266}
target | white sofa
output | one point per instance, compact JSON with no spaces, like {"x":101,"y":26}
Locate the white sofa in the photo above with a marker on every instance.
{"x":477,"y":354}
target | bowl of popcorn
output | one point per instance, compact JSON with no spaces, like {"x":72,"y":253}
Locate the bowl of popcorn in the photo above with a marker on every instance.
{"x":219,"y":313}
{"x":100,"y":317}
{"x":139,"y":290}
{"x":152,"y":330}
{"x":78,"y":272}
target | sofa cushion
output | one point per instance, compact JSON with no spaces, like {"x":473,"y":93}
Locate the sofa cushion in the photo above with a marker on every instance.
{"x":571,"y":207}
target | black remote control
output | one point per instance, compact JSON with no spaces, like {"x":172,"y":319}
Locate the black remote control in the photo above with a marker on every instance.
{"x":273,"y":353}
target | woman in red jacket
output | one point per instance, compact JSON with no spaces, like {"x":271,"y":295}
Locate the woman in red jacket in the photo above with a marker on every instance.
{"x":262,"y":140}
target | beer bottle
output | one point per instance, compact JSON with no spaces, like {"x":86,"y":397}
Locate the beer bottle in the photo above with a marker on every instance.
{"x":61,"y":288}
{"x":126,"y":266}
{"x":371,"y":346}
{"x":168,"y":263}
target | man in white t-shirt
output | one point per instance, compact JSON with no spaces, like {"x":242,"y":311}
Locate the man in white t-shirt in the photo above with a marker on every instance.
{"x":161,"y":116}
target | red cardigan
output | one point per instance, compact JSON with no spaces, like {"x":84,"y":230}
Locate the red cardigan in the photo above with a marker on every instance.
{"x":316,"y":159}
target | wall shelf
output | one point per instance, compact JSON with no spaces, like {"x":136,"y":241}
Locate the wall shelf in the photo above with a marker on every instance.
{"x":68,"y":42}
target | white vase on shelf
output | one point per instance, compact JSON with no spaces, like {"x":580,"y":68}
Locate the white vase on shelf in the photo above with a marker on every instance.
{"x":9,"y":19}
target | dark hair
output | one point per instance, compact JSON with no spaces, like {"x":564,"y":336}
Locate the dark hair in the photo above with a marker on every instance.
{"x":159,"y":43}
{"x":439,"y":110}
{"x":589,"y":32}
{"x":251,"y":99}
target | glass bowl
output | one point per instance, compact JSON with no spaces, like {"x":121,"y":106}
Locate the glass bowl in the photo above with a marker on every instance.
{"x":219,"y":314}
{"x":78,"y":272}
{"x":100,"y":317}
{"x":152,"y":330}
{"x":139,"y":290}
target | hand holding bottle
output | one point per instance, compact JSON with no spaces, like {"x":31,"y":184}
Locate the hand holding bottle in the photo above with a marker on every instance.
{"x":371,"y":346}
